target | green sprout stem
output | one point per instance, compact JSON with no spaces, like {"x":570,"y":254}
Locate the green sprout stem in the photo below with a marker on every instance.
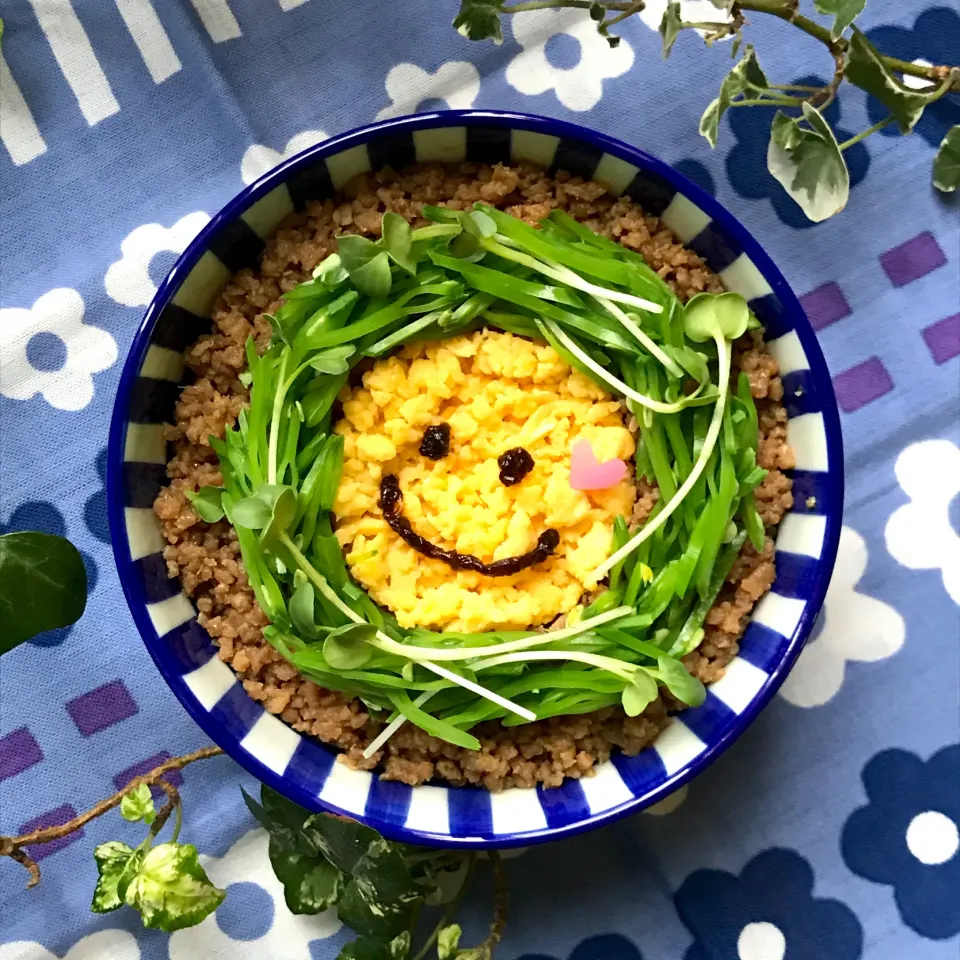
{"x":386,"y":643}
{"x":713,"y":432}
{"x":425,"y":655}
{"x":275,"y":422}
{"x":605,"y":375}
{"x":617,"y":667}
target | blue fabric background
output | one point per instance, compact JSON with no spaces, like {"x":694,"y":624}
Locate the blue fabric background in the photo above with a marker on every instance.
{"x":803,"y":829}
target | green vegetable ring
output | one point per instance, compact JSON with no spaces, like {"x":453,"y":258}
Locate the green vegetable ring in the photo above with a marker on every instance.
{"x":609,"y":315}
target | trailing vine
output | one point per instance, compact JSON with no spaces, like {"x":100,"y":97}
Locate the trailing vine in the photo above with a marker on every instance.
{"x":804,"y":154}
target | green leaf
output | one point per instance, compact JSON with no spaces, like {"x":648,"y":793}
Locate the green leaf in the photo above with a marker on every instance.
{"x":746,"y":77}
{"x":346,"y":648}
{"x":447,"y":941}
{"x":670,"y":27}
{"x":639,"y":693}
{"x":383,"y":877}
{"x":378,"y":920}
{"x":331,"y":469}
{"x":311,"y":884}
{"x":283,"y":819}
{"x":138,"y":805}
{"x":251,"y":512}
{"x":301,"y":607}
{"x":333,"y":360}
{"x":808,"y":164}
{"x":709,"y":313}
{"x":330,"y":271}
{"x":482,"y":223}
{"x":685,"y":687}
{"x":171,"y":890}
{"x":866,"y":70}
{"x":367,"y":264}
{"x":282,"y":501}
{"x":342,"y":842}
{"x":480,"y":20}
{"x":43,"y":585}
{"x":399,"y":946}
{"x":946,"y":164}
{"x":398,"y":242}
{"x":365,"y":949}
{"x":208,"y":503}
{"x":116,"y":866}
{"x":844,"y":12}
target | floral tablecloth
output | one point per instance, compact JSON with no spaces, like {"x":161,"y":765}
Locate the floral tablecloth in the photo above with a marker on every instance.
{"x":830,"y":830}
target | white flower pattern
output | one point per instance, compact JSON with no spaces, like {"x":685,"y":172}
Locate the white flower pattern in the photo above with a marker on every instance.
{"x":919,"y":534}
{"x":456,"y":82}
{"x":259,"y":159}
{"x":854,"y":627}
{"x":128,"y":279}
{"x":102,"y":945}
{"x":288,"y":936}
{"x":66,"y":380}
{"x":579,"y":87}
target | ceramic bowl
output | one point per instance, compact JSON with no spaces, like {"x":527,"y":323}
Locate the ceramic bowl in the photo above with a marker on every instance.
{"x":305,"y":770}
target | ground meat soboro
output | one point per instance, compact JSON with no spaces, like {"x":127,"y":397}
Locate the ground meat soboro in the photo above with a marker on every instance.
{"x":206,"y":557}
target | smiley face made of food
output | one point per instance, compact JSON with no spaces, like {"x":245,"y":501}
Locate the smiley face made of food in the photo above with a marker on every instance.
{"x":495,"y":393}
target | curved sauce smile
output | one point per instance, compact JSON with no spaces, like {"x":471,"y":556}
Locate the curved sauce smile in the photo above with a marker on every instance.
{"x":391,"y":501}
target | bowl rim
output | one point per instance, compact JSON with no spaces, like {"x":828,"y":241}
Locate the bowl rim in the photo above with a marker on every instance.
{"x":834,"y":477}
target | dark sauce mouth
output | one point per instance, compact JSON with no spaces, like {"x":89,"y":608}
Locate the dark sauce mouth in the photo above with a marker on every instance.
{"x":391,"y":501}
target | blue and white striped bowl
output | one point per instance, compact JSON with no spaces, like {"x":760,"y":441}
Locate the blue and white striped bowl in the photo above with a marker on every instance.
{"x":301,"y":768}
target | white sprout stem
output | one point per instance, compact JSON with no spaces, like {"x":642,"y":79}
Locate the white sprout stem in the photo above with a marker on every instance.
{"x":613,"y":381}
{"x":391,"y":728}
{"x":709,"y":442}
{"x":640,"y":336}
{"x":383,"y":642}
{"x":428,"y":655}
{"x":479,"y":691}
{"x":275,"y":422}
{"x":563,"y":274}
{"x":616,"y":667}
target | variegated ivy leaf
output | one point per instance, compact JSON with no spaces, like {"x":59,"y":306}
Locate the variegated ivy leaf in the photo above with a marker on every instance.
{"x":866,"y":70}
{"x":171,"y":890}
{"x":745,"y":78}
{"x":480,"y":20}
{"x":946,"y":165}
{"x":808,"y":163}
{"x":116,"y":865}
{"x":844,"y":12}
{"x":670,"y":26}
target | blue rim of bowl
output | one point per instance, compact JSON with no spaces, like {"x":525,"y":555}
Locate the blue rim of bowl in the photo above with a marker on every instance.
{"x":536,"y":124}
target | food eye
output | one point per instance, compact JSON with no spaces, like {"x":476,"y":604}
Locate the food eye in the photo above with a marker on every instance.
{"x":514,"y":465}
{"x":435,"y":444}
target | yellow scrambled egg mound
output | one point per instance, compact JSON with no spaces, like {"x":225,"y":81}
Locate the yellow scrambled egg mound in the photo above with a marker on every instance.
{"x":496,"y":391}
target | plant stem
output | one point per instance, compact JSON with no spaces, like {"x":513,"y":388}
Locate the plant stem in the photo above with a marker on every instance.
{"x":768,"y":102}
{"x":795,"y":86}
{"x":177,"y":822}
{"x":635,"y":7}
{"x":13,"y":846}
{"x":863,"y":134}
{"x":557,"y":4}
{"x":451,"y":908}
{"x":501,"y":904}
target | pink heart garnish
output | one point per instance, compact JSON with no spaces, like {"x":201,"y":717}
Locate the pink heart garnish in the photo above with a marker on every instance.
{"x":587,"y":474}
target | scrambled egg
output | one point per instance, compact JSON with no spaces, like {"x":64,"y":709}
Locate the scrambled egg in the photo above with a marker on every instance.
{"x":496,"y":391}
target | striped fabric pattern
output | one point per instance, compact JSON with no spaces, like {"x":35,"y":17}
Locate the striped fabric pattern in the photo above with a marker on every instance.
{"x":305,"y":770}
